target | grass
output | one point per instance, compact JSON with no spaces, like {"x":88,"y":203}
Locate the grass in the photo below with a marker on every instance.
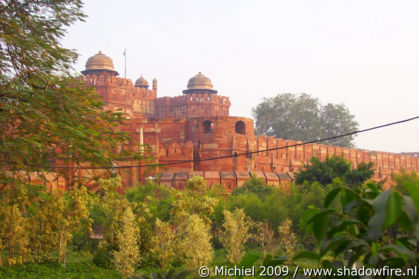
{"x":53,"y":270}
{"x":80,"y":266}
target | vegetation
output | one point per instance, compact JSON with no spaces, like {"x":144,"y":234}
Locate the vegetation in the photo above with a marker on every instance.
{"x":287,"y":238}
{"x":47,"y":115}
{"x":331,"y":210}
{"x":236,"y":233}
{"x":310,"y":224}
{"x":374,"y":227}
{"x":302,"y":117}
{"x":334,"y":167}
{"x":195,"y":244}
{"x":127,"y":255}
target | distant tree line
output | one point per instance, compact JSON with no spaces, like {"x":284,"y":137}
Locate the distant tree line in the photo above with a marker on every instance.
{"x":302,"y":117}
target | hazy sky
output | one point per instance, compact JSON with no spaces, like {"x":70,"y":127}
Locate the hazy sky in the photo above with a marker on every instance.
{"x":364,"y":54}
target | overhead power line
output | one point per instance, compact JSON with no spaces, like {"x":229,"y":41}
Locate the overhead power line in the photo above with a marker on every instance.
{"x":244,"y":153}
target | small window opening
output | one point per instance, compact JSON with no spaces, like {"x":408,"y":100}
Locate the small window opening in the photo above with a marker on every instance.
{"x":240,"y":127}
{"x":208,"y":126}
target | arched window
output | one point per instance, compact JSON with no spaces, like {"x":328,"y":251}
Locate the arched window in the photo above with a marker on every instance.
{"x":240,"y":127}
{"x":207,"y":125}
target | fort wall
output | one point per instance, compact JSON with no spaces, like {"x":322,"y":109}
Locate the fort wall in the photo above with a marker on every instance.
{"x":185,"y":132}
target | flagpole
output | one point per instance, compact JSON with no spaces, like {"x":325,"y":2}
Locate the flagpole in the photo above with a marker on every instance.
{"x":125,"y":55}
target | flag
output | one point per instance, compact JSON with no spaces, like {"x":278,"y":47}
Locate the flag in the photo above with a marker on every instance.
{"x":125,"y":52}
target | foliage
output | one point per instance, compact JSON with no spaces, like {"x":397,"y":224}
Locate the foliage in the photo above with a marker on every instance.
{"x":193,"y":200}
{"x":112,"y":205}
{"x":302,"y":117}
{"x":72,"y":215}
{"x":279,"y":204}
{"x":265,"y":237}
{"x":14,"y":232}
{"x":127,"y":255}
{"x":36,"y":222}
{"x":195,"y":243}
{"x":287,"y":238}
{"x":405,"y":178}
{"x":47,"y":116}
{"x":331,"y":168}
{"x":236,"y":233}
{"x":52,"y":270}
{"x":376,"y":228}
{"x":159,"y":199}
{"x":256,"y":186}
{"x":164,"y":243}
{"x":171,"y":274}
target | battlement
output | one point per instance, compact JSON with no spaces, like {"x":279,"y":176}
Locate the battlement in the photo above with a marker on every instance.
{"x":108,"y":80}
{"x":292,"y":158}
{"x":144,"y":93}
{"x":192,"y":105}
{"x":194,"y":98}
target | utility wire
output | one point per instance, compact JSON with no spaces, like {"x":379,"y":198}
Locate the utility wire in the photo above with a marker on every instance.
{"x":244,"y":153}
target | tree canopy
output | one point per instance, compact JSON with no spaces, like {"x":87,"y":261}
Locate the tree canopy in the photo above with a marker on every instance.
{"x":331,"y":168}
{"x":46,"y":113}
{"x":302,"y":117}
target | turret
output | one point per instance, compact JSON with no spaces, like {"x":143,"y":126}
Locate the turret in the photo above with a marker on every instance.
{"x":141,"y":82}
{"x":155,"y":84}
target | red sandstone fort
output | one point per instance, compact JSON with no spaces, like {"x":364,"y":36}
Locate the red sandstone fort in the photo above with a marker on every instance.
{"x":196,"y":125}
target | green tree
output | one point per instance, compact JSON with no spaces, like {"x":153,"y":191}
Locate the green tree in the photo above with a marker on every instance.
{"x":13,"y":231}
{"x":164,"y":243}
{"x":110,"y":209}
{"x":47,"y":115}
{"x":159,"y":199}
{"x":325,"y":172}
{"x":127,"y":255}
{"x":72,"y":215}
{"x":302,"y":117}
{"x":236,"y":233}
{"x":287,"y":238}
{"x":196,"y":243}
{"x":193,"y":200}
{"x":1,"y":256}
{"x":265,"y":237}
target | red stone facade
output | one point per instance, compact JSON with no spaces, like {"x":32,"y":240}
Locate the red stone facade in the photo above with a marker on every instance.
{"x":197,"y":125}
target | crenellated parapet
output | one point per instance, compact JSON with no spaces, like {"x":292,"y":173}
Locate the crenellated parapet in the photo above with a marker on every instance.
{"x":104,"y":79}
{"x":175,"y":152}
{"x":192,"y":105}
{"x":120,"y":94}
{"x":288,"y":157}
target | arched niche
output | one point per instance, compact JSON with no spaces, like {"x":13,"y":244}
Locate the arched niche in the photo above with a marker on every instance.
{"x":207,"y":127}
{"x":240,"y":127}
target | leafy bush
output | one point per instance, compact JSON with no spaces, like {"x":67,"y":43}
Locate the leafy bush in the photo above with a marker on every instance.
{"x":103,"y":257}
{"x":373,"y":227}
{"x":159,"y":198}
{"x":331,"y":168}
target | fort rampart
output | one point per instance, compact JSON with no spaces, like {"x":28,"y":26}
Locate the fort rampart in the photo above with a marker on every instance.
{"x":185,"y":132}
